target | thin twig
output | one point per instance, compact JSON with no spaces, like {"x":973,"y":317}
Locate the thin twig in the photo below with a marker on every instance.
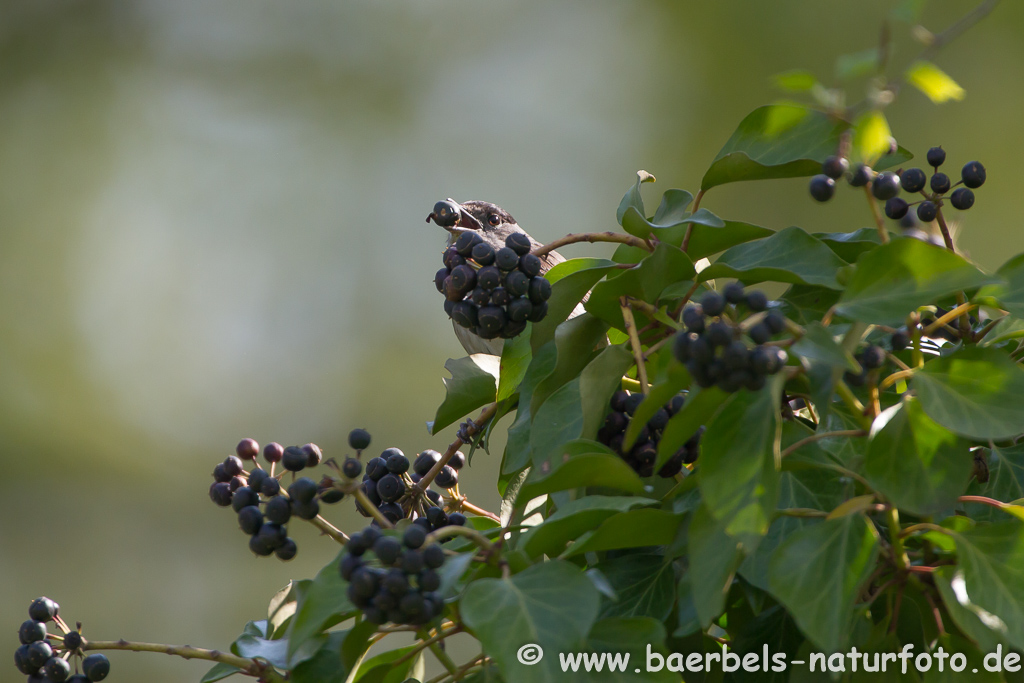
{"x":634,"y":341}
{"x":689,"y":228}
{"x":254,"y":666}
{"x":329,"y":529}
{"x":883,"y":234}
{"x":486,"y":414}
{"x":822,"y":435}
{"x":593,"y":237}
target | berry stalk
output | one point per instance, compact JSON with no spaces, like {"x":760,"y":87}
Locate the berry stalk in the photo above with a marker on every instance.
{"x":486,"y":414}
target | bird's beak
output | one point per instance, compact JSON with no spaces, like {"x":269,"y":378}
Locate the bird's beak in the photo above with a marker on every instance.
{"x":444,"y":211}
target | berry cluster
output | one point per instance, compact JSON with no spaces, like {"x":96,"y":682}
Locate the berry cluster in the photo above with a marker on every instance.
{"x":972,"y":176}
{"x":400,"y":583}
{"x":249,"y":491}
{"x":493,"y":292}
{"x":36,"y":658}
{"x":715,"y":353}
{"x":388,"y":478}
{"x":642,"y":455}
{"x":872,"y":356}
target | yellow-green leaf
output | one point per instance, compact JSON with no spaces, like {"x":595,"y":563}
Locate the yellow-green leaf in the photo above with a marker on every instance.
{"x":871,"y":136}
{"x":934,"y":82}
{"x":796,"y":81}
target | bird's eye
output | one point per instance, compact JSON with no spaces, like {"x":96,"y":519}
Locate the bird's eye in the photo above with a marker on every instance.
{"x":494,"y":219}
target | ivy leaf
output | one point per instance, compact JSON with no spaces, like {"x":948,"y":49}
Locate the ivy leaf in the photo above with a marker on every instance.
{"x":219,"y":672}
{"x":738,"y":474}
{"x":515,"y":359}
{"x":321,"y":606}
{"x":474,"y":383}
{"x":818,"y":344}
{"x":326,"y":666}
{"x":805,"y":305}
{"x":517,"y":448}
{"x":871,"y":136}
{"x":665,"y":266}
{"x":1010,"y":292}
{"x":274,"y":651}
{"x":836,"y":557}
{"x":714,"y":557}
{"x":282,"y":607}
{"x":699,"y":407}
{"x":975,"y":622}
{"x":632,"y":198}
{"x":918,"y":464}
{"x":599,"y":380}
{"x":626,"y":635}
{"x":582,"y":463}
{"x":633,"y":529}
{"x":706,"y":240}
{"x":382,"y":669}
{"x":896,"y":278}
{"x":850,"y":245}
{"x":660,"y":394}
{"x":856,"y":64}
{"x":1005,"y":483}
{"x":576,"y":343}
{"x":775,"y":141}
{"x":790,"y":255}
{"x":934,"y":82}
{"x":991,"y":557}
{"x":975,"y":392}
{"x":570,"y":282}
{"x":575,"y":518}
{"x":796,"y":81}
{"x":552,"y":604}
{"x":645,"y":585}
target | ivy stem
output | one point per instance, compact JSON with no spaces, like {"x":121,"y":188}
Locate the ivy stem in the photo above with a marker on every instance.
{"x":427,"y":642}
{"x":329,"y":529}
{"x":924,"y":526}
{"x":452,"y":531}
{"x":984,"y":500}
{"x":801,"y":512}
{"x":592,"y":237}
{"x":445,"y":660}
{"x":915,"y":340}
{"x":883,"y":234}
{"x":988,"y":328}
{"x":469,"y":507}
{"x":253,"y":667}
{"x":486,"y":414}
{"x":897,"y":361}
{"x":852,"y":403}
{"x":899,"y":553}
{"x":634,"y":341}
{"x":822,"y":435}
{"x":368,"y":505}
{"x":689,"y":228}
{"x":961,"y":309}
{"x":889,"y":380}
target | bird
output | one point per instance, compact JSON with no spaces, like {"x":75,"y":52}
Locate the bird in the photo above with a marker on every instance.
{"x":494,"y":225}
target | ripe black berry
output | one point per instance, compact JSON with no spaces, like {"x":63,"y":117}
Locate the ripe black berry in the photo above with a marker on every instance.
{"x":451,"y":260}
{"x":57,"y":670}
{"x":520,"y":309}
{"x":396,"y":461}
{"x":962,"y":198}
{"x":719,"y":334}
{"x":488,"y":278}
{"x":72,"y":640}
{"x":390,"y":488}
{"x":457,"y":461}
{"x":439,"y":278}
{"x":530,"y":265}
{"x":457,"y":519}
{"x":445,"y":214}
{"x":278,"y":510}
{"x":712,"y":303}
{"x":220,"y":474}
{"x":940,"y":183}
{"x":21,"y":661}
{"x":835,"y":167}
{"x":256,"y":478}
{"x":295,"y":459}
{"x":358,"y":439}
{"x":927,"y":211}
{"x":350,"y":562}
{"x":861,"y":175}
{"x":540,"y":290}
{"x":270,"y":486}
{"x":330,"y":495}
{"x":896,"y":208}
{"x":733,"y":292}
{"x":306,"y":510}
{"x":250,"y":519}
{"x":272,"y":535}
{"x":376,"y":468}
{"x":313,"y":454}
{"x":492,"y":319}
{"x":633,"y":402}
{"x":244,"y":497}
{"x":429,"y":580}
{"x":387,"y":550}
{"x":236,"y":483}
{"x":412,"y":562}
{"x":232,"y":465}
{"x":886,"y":186}
{"x":519,"y":243}
{"x":414,"y":537}
{"x":973,"y":174}
{"x":936,"y":156}
{"x":437,"y":517}
{"x":759,"y":333}
{"x":433,"y":556}
{"x":775,"y":322}
{"x":506,"y":259}
{"x":220,"y":493}
{"x":757,"y":301}
{"x":913,"y":180}
{"x":287,"y":551}
{"x":681,"y":347}
{"x":693,"y":318}
{"x":273,"y":452}
{"x":900,"y":340}
{"x":37,"y":653}
{"x":446,"y":478}
{"x":424,"y":461}
{"x":302,"y":490}
{"x":873,"y":357}
{"x":483,"y":253}
{"x":31,"y":631}
{"x":352,"y":468}
{"x":822,"y":188}
{"x":247,"y":449}
{"x":96,"y":667}
{"x":517,"y":283}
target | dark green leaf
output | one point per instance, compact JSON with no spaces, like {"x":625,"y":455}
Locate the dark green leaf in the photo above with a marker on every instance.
{"x":515,"y":359}
{"x":706,"y":240}
{"x":1010,"y":292}
{"x":517,"y":448}
{"x":775,"y":141}
{"x":1006,"y":482}
{"x":632,"y":198}
{"x":283,"y":606}
{"x":582,"y":463}
{"x":633,"y":529}
{"x":660,"y":394}
{"x":699,"y":407}
{"x":551,"y":604}
{"x":321,"y":606}
{"x":274,"y":651}
{"x":775,"y":629}
{"x":645,"y":282}
{"x":850,"y":245}
{"x":688,"y":621}
{"x":975,"y":392}
{"x":804,"y":304}
{"x":574,"y":519}
{"x":474,"y":383}
{"x":381,"y":668}
{"x":970,"y":618}
{"x":790,"y":255}
{"x":326,"y":666}
{"x":645,"y":585}
{"x":558,"y":421}
{"x":634,"y":222}
{"x":896,"y":278}
{"x":918,"y":464}
{"x":599,"y":380}
{"x":577,"y":342}
{"x":738,"y":472}
{"x":835,"y":557}
{"x":818,"y":344}
{"x":570,"y":282}
{"x":630,"y":635}
{"x":219,"y":672}
{"x":991,"y":556}
{"x":714,"y":557}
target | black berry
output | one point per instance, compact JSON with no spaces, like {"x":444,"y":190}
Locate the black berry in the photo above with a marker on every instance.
{"x":57,"y":670}
{"x":302,"y":490}
{"x":936,"y":156}
{"x":96,"y":667}
{"x":886,"y":186}
{"x":220,"y":493}
{"x":733,"y":292}
{"x":873,"y":357}
{"x":244,"y":497}
{"x":232,"y":465}
{"x":376,"y":468}
{"x":506,"y":259}
{"x":445,"y":214}
{"x":973,"y":174}
{"x":390,"y":488}
{"x":465,"y":242}
{"x":913,"y":180}
{"x":457,"y":519}
{"x":387,"y":550}
{"x":446,"y":478}
{"x":433,"y":556}
{"x":287,"y":550}
{"x":295,"y":459}
{"x":822,"y":188}
{"x":31,"y":631}
{"x":414,"y":537}
{"x":962,"y":198}
{"x":250,"y":519}
{"x":352,"y":468}
{"x":940,"y":183}
{"x":358,"y":439}
{"x":488,"y":278}
{"x":424,"y":461}
{"x":861,"y":175}
{"x":693,"y":318}
{"x":530,"y":265}
{"x":313,"y":454}
{"x":278,"y":510}
{"x":896,"y":208}
{"x":457,"y":461}
{"x":483,"y":253}
{"x":835,"y":167}
{"x":72,"y":640}
{"x":519,"y":243}
{"x":927,"y":211}
{"x":396,"y":461}
{"x":757,"y":301}
{"x":270,"y":486}
{"x":900,"y":340}
{"x":712,"y":303}
{"x":273,"y":452}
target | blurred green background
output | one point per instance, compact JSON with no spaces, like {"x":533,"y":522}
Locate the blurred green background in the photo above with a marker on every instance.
{"x":212,"y":226}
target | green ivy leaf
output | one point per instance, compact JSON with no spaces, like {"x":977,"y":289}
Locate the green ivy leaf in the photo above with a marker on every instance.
{"x":896,"y":278}
{"x":850,"y":245}
{"x":635,"y":224}
{"x":738,"y":473}
{"x":991,"y":556}
{"x":918,"y":464}
{"x":856,"y":64}
{"x":274,"y":651}
{"x":1005,"y":483}
{"x":666,"y":265}
{"x":975,"y":392}
{"x":1010,"y":292}
{"x":575,"y":518}
{"x":626,"y":634}
{"x":818,"y":344}
{"x":835,"y":557}
{"x":515,"y":359}
{"x":517,"y":448}
{"x":219,"y":672}
{"x":326,"y":666}
{"x":790,"y":255}
{"x":552,"y":604}
{"x":582,"y":463}
{"x":382,"y":669}
{"x":660,"y":394}
{"x":633,"y":529}
{"x":645,"y":585}
{"x":282,"y":607}
{"x":699,"y":407}
{"x":474,"y":383}
{"x":577,"y":342}
{"x":804,"y":304}
{"x":632,"y":198}
{"x":599,"y":380}
{"x":570,"y":282}
{"x":797,"y":80}
{"x":321,"y":606}
{"x":714,"y":558}
{"x":965,"y":614}
{"x":706,"y":240}
{"x":871,"y":137}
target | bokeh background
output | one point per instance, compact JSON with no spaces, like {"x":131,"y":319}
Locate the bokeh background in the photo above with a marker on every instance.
{"x":212,"y":226}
